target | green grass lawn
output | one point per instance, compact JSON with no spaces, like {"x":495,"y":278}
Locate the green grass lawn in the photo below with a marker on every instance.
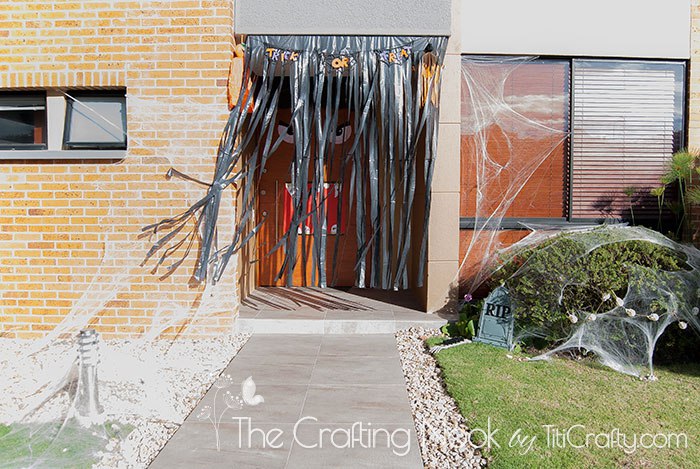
{"x":562,"y":393}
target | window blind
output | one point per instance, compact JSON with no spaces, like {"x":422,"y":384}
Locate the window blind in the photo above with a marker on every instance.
{"x":626,"y":123}
{"x":512,"y":137}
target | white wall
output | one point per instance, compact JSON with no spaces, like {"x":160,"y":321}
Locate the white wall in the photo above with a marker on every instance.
{"x":611,"y":28}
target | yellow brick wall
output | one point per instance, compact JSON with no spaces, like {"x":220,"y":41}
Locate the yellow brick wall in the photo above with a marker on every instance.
{"x":69,"y":230}
{"x":694,"y":97}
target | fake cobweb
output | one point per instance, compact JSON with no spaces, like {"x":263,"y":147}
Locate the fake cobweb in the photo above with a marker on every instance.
{"x":512,"y":133}
{"x":621,"y":328}
{"x":514,"y":137}
{"x":73,"y":399}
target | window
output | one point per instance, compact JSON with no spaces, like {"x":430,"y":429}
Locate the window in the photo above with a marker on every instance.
{"x":592,"y":136}
{"x":22,"y":121}
{"x":627,"y":122}
{"x":514,"y":126}
{"x":63,"y":124}
{"x":95,"y":121}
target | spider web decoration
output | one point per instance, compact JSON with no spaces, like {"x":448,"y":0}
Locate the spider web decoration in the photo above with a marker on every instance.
{"x":622,"y":332}
{"x":391,"y":87}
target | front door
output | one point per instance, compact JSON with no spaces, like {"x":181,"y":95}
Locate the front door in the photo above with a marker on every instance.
{"x":275,"y":205}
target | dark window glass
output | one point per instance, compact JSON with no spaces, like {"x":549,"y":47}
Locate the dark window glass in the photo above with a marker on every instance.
{"x":22,"y":121}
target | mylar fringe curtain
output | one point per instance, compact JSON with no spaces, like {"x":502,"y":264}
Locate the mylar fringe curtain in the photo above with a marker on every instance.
{"x":391,"y":87}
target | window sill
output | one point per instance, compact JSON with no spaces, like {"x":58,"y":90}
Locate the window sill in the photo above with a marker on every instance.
{"x":469,"y":223}
{"x":62,"y":154}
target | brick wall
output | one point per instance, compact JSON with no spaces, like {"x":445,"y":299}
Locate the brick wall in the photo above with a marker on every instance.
{"x":694,"y":98}
{"x":70,"y":249}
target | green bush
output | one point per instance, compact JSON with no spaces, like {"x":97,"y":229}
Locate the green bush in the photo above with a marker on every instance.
{"x":466,"y":325}
{"x":568,"y":275}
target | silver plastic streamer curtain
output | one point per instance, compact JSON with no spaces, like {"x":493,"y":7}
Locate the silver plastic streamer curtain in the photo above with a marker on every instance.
{"x":390,"y":89}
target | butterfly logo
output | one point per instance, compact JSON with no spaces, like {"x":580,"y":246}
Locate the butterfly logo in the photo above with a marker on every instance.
{"x":248,"y":392}
{"x":246,"y":397}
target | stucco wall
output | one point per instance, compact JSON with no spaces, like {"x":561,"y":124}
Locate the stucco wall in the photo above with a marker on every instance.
{"x":336,"y":17}
{"x":605,"y":28}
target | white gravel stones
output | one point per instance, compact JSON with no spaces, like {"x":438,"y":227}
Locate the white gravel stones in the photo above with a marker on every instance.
{"x":178,"y":375}
{"x":150,"y":386}
{"x":442,"y":432}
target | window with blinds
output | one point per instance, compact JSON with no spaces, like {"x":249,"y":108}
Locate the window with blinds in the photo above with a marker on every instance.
{"x":627,"y":120}
{"x":624,"y":119}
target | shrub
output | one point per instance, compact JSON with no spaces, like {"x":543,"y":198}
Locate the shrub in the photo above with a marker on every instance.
{"x":579,"y":272}
{"x":466,"y":325}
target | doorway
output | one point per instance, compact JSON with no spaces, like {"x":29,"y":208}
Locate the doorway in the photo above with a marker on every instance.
{"x":329,"y":201}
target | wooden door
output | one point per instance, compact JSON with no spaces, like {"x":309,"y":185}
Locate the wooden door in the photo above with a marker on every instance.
{"x":272,"y":188}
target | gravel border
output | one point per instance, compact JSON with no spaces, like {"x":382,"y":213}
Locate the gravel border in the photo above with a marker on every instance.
{"x":150,"y":435}
{"x":148,"y":388}
{"x":441,"y":429}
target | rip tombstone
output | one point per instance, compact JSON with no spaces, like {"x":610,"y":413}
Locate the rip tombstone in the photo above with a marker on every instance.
{"x":496,"y":321}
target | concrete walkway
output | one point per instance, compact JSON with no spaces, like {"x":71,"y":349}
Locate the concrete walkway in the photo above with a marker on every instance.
{"x":332,"y":311}
{"x":329,"y":401}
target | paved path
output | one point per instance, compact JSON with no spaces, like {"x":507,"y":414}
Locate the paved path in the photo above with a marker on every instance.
{"x":330,"y":311}
{"x":326,"y":386}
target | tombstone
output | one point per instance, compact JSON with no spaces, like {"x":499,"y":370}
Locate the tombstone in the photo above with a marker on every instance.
{"x":496,"y":321}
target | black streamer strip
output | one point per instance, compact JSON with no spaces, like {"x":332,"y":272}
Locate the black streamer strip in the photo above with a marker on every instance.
{"x":390,"y":86}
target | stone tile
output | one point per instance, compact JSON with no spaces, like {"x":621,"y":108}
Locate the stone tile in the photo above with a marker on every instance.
{"x":411,"y":308}
{"x":283,"y":402}
{"x":339,"y":370}
{"x":454,"y":44}
{"x":264,"y":347}
{"x":447,"y":172}
{"x":379,"y":446}
{"x":348,"y":404}
{"x":306,"y":299}
{"x":359,"y":345}
{"x":295,"y":314}
{"x":358,"y":327}
{"x":450,"y":100}
{"x":194,"y":445}
{"x":443,"y":233}
{"x":442,"y":284}
{"x":411,"y":319}
{"x":426,"y":324}
{"x":384,"y":300}
{"x":375,"y":315}
{"x":287,"y":370}
{"x":247,"y":313}
{"x":337,"y":379}
{"x":415,"y":316}
{"x":281,"y":326}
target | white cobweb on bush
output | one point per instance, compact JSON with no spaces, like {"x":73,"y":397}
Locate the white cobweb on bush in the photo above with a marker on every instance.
{"x":621,"y":331}
{"x":514,"y":129}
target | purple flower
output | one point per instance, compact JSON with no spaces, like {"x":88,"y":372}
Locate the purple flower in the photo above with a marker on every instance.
{"x":468,"y":297}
